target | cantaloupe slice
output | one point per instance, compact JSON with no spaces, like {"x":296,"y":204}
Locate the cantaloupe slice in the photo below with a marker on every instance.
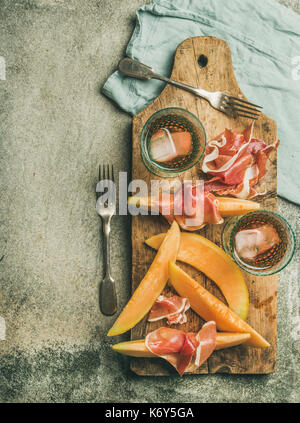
{"x":235,"y":206}
{"x":139,"y":349}
{"x":227,"y":206}
{"x":210,"y":259}
{"x":211,"y":308}
{"x":151,"y":286}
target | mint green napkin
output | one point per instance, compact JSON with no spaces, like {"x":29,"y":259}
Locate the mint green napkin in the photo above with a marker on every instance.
{"x":264,"y":38}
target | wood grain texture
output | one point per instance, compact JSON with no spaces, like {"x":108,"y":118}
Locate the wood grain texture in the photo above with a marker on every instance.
{"x":217,"y":75}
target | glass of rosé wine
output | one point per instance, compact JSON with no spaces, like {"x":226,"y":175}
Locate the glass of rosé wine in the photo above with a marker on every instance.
{"x":172,"y":141}
{"x":261,"y":242}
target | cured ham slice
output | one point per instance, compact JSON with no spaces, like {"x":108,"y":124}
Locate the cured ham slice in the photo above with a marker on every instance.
{"x":208,"y":341}
{"x":237,"y":162}
{"x":171,"y":308}
{"x":191,"y":207}
{"x":184,"y":351}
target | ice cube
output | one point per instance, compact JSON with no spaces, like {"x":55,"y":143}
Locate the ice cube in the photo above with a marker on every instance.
{"x":162,"y":147}
{"x":166,"y":146}
{"x":249,"y":243}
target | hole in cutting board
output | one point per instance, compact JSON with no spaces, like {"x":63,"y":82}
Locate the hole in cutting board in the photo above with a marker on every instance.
{"x":202,"y":60}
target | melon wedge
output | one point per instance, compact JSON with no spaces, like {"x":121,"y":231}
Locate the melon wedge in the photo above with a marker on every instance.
{"x":133,"y":349}
{"x":211,"y":308}
{"x":235,"y":206}
{"x":227,"y":206}
{"x":139,"y":349}
{"x":151,"y":286}
{"x":210,"y":259}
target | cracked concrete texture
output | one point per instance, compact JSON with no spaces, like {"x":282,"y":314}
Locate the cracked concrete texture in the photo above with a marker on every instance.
{"x":55,"y":128}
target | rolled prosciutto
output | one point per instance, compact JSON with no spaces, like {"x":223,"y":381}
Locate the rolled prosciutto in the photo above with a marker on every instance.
{"x":191,"y":207}
{"x":184,"y":351}
{"x":171,"y":308}
{"x":237,"y":163}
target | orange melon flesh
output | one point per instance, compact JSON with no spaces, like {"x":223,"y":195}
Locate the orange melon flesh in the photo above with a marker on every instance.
{"x":227,"y":206}
{"x":211,"y":308}
{"x":139,"y":349}
{"x":210,"y":259}
{"x":235,"y":206}
{"x":151,"y":286}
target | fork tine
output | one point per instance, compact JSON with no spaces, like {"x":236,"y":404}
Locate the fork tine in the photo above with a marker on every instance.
{"x":106,"y":172}
{"x":99,"y":180}
{"x":244,"y":101}
{"x":112,"y":173}
{"x":243,"y":106}
{"x":247,"y":116}
{"x":238,"y":109}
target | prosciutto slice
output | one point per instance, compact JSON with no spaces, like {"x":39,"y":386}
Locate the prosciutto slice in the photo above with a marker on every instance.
{"x":184,"y":351}
{"x":237,"y":162}
{"x":191,"y":207}
{"x":171,"y":308}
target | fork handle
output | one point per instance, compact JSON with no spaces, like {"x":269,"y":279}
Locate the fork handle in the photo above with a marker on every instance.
{"x":108,"y":296}
{"x":135,"y":69}
{"x":106,"y":233}
{"x":196,"y":91}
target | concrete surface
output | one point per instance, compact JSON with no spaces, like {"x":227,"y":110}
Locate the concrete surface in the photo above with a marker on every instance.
{"x":55,"y":128}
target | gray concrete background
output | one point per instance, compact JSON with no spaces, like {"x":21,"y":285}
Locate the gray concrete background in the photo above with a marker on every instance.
{"x":55,"y":128}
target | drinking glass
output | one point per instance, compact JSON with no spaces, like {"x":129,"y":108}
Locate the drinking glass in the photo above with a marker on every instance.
{"x":174,"y":119}
{"x":271,"y":261}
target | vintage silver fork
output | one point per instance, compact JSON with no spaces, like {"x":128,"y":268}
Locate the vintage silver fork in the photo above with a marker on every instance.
{"x":226,"y":103}
{"x":106,"y":208}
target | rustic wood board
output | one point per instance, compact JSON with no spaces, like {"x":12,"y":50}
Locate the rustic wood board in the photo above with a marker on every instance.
{"x":217,"y":75}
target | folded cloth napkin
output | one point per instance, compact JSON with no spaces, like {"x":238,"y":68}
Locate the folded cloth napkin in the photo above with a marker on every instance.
{"x":264,"y":39}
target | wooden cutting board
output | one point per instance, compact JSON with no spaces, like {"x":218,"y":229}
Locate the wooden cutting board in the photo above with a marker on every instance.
{"x":217,"y":75}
